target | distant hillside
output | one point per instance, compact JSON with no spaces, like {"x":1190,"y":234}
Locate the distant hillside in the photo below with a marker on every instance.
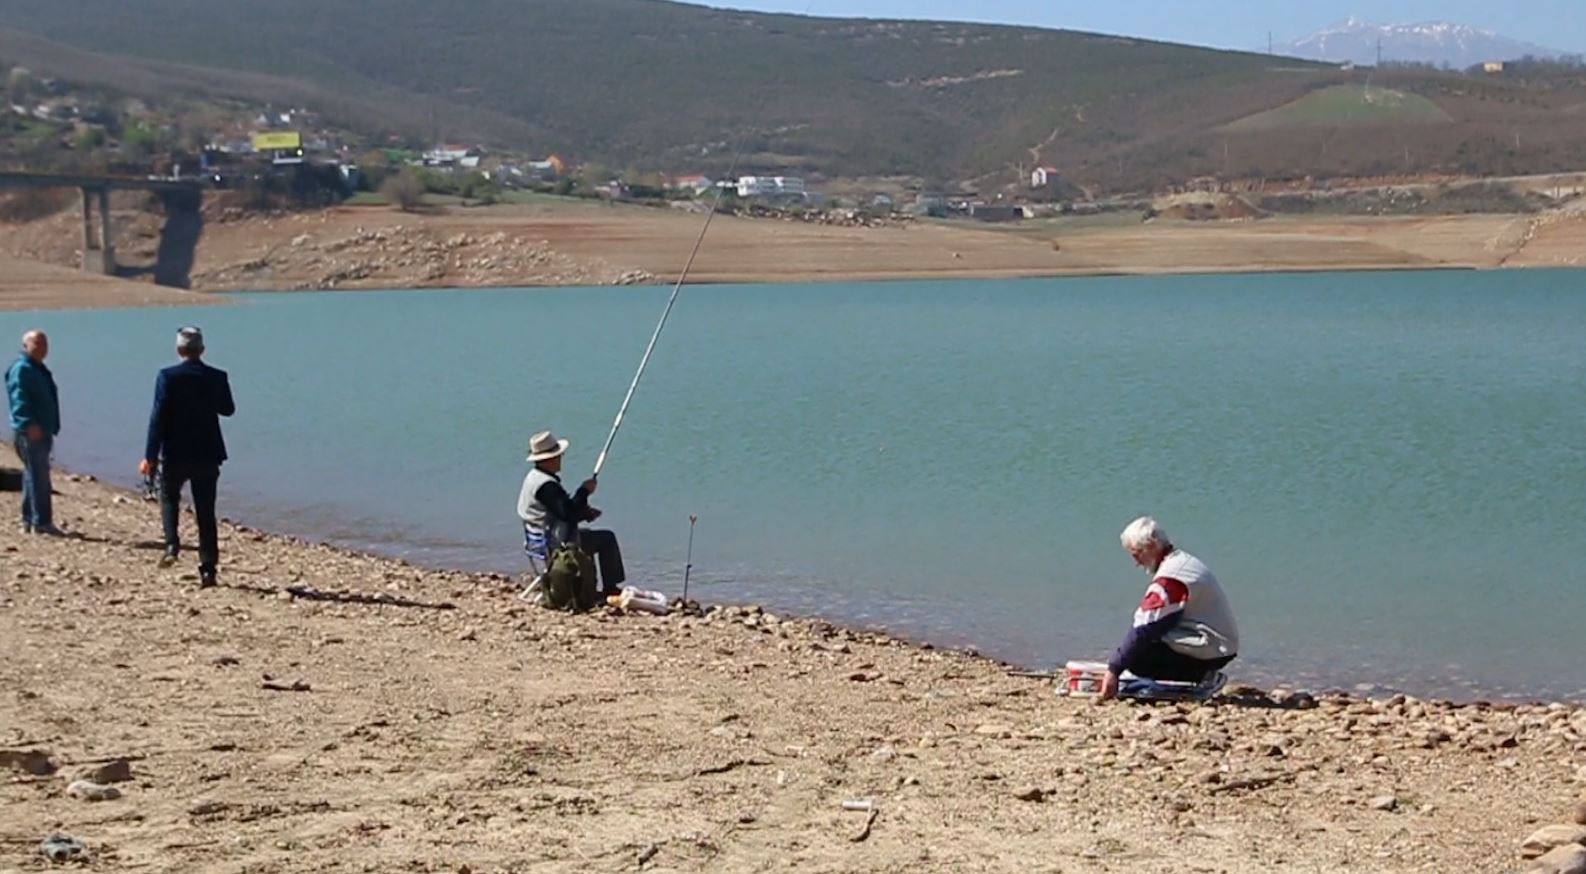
{"x":1437,"y":43}
{"x":367,"y":105}
{"x":1346,"y":106}
{"x":659,"y":85}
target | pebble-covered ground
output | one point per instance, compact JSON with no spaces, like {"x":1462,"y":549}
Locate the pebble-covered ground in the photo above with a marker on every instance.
{"x":390,"y":718}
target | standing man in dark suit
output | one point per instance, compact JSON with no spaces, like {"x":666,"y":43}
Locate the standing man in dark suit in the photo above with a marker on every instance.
{"x":184,"y":433}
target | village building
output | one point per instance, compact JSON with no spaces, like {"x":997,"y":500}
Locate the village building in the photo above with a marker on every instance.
{"x":771,"y":187}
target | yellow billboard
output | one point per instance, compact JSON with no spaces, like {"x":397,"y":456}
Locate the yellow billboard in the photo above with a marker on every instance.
{"x":273,"y":140}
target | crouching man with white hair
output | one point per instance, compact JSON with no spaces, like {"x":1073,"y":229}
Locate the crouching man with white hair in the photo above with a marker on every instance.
{"x":1183,"y":629}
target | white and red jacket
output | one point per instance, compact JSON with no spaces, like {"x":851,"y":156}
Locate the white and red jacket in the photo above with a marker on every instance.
{"x":1184,"y":608}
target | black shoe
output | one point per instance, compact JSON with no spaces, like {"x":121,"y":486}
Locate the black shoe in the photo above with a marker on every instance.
{"x":48,"y":531}
{"x":206,"y":578}
{"x":169,"y":558}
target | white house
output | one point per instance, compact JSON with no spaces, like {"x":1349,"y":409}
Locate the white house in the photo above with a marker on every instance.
{"x":1041,"y":177}
{"x":450,"y":156}
{"x":695,"y":184}
{"x":771,"y":186}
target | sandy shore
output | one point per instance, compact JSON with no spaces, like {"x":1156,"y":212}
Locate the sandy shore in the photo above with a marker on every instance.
{"x":585,"y":243}
{"x":467,"y":732}
{"x":30,"y":285}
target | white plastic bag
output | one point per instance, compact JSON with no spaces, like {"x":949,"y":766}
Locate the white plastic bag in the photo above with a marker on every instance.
{"x":634,"y":599}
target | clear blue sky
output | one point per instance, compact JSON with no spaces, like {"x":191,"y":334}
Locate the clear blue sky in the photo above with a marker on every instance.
{"x":1238,"y":24}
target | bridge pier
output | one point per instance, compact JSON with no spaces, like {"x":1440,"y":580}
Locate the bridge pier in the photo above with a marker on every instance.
{"x":183,"y":199}
{"x":99,"y":256}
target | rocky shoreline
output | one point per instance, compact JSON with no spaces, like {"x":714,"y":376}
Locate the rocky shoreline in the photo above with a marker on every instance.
{"x":560,"y":243}
{"x":412,"y":257}
{"x":326,"y":710}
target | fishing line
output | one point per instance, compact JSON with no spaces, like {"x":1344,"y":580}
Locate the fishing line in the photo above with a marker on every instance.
{"x":644,"y":362}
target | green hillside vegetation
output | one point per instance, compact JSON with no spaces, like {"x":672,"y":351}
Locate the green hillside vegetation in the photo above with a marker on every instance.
{"x":665,"y":86}
{"x":1345,"y":105}
{"x":365,"y":105}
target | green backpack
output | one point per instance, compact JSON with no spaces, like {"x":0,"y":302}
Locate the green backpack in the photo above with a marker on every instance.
{"x":570,"y":580}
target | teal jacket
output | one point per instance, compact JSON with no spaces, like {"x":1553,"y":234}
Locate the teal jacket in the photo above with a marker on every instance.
{"x":34,"y":401}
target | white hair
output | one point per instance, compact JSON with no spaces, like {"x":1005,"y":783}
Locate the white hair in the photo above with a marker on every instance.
{"x":1143,"y":532}
{"x":190,"y":340}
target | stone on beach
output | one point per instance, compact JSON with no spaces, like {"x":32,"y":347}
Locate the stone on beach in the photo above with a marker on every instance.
{"x":118,"y":771}
{"x":35,"y":762}
{"x":88,"y":790}
{"x":1568,"y":859}
{"x":61,"y":848}
{"x":1548,"y":837}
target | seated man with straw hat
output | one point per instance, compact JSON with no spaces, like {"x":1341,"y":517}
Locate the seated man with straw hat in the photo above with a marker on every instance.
{"x":551,"y":516}
{"x":1184,"y":630}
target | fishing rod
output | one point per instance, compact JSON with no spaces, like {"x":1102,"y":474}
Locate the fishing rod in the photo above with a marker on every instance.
{"x":622,"y":411}
{"x":688,"y":567}
{"x":644,"y":362}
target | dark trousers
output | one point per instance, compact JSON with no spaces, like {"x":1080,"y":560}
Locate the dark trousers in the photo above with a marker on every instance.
{"x":204,"y":479}
{"x":602,"y":545}
{"x":37,"y":511}
{"x":1161,"y":662}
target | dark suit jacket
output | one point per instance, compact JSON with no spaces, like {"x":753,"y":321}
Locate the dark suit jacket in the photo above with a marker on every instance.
{"x":184,"y":427}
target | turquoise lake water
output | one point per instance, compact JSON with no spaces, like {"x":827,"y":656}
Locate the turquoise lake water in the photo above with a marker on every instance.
{"x":1387,"y":471}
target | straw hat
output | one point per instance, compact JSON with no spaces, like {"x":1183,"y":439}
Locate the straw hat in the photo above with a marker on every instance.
{"x":544,"y":445}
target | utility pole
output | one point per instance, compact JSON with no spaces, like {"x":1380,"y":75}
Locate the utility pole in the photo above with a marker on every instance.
{"x":1269,"y":42}
{"x":1379,"y":52}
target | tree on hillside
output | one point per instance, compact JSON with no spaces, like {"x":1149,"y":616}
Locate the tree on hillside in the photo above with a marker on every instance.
{"x":376,"y":168}
{"x":19,"y":87}
{"x":404,"y":190}
{"x":192,"y":139}
{"x":140,"y":141}
{"x":592,"y":176}
{"x":90,"y":139}
{"x":478,"y":186}
{"x":645,"y":178}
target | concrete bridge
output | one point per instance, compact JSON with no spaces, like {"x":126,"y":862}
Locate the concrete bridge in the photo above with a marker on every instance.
{"x":99,"y":255}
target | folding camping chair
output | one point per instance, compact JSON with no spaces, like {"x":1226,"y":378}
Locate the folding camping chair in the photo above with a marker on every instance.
{"x":538,"y":549}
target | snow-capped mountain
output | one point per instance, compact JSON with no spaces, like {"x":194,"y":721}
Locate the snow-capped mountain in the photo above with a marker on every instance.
{"x":1434,"y":42}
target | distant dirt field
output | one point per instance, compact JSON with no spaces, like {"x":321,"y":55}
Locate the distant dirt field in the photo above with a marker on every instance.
{"x":581,"y":243}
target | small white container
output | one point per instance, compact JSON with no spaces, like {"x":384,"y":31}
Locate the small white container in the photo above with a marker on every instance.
{"x":1083,"y":679}
{"x":642,"y":601}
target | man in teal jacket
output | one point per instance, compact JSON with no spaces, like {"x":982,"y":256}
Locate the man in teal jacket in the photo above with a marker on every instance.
{"x":35,"y":420}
